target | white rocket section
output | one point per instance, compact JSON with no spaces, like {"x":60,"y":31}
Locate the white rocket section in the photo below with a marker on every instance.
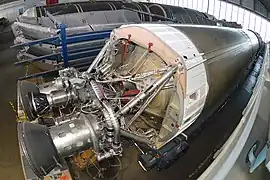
{"x":197,"y":85}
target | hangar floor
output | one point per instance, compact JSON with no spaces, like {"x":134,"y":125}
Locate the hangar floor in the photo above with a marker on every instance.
{"x":190,"y":166}
{"x":10,"y":165}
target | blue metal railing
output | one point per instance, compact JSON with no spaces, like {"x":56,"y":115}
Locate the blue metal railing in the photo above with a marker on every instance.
{"x":64,"y":41}
{"x":64,"y":56}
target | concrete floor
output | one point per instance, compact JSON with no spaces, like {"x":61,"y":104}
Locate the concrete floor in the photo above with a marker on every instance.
{"x":259,"y":133}
{"x":10,"y":165}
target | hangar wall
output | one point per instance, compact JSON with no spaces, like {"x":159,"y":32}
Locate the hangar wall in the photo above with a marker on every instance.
{"x":230,"y":12}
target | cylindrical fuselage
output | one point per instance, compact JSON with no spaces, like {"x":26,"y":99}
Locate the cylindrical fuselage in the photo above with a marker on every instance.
{"x":207,"y":63}
{"x":227,"y":53}
{"x":215,"y":60}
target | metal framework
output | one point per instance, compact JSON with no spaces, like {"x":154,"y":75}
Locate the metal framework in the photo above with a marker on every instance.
{"x":65,"y":56}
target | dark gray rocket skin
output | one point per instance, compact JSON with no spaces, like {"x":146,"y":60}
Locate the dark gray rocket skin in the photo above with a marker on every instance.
{"x":228,"y":52}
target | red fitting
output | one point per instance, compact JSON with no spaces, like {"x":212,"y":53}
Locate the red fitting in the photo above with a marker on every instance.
{"x":149,"y":47}
{"x":50,"y":2}
{"x":125,"y":48}
{"x":129,"y":37}
{"x":130,"y":93}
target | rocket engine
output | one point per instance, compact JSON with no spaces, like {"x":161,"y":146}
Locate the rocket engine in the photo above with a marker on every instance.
{"x":149,"y":83}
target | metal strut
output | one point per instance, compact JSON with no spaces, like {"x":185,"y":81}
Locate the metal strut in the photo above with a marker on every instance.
{"x":149,"y":90}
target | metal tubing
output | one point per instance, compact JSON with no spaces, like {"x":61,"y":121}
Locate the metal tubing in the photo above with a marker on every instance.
{"x":88,"y":33}
{"x":114,"y":122}
{"x":34,"y":42}
{"x":135,"y":137}
{"x":88,"y":37}
{"x":150,"y":89}
{"x":72,"y":56}
{"x":98,"y":58}
{"x":70,"y":39}
{"x":147,"y":102}
{"x":109,"y":127}
{"x":83,"y":54}
{"x":55,"y":21}
{"x":136,"y":77}
{"x":64,"y":44}
{"x":49,"y":31}
{"x":106,"y":155}
{"x":111,"y":120}
{"x":85,"y":49}
{"x":40,"y":58}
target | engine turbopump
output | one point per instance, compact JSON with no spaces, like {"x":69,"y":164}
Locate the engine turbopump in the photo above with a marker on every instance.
{"x":97,"y":119}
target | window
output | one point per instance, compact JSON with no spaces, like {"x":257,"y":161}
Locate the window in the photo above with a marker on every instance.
{"x":195,"y":4}
{"x":223,"y":10}
{"x":189,"y":4}
{"x":200,"y":5}
{"x":211,"y":7}
{"x":252,"y":21}
{"x":180,"y":3}
{"x":263,"y":29}
{"x":267,"y":32}
{"x":229,"y":12}
{"x":185,"y":3}
{"x":217,"y":9}
{"x":258,"y":23}
{"x":246,"y":19}
{"x":234,"y":13}
{"x":240,"y":18}
{"x":205,"y":5}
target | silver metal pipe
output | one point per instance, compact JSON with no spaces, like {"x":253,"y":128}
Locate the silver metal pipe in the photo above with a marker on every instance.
{"x":136,"y":77}
{"x":97,"y":90}
{"x":53,"y":19}
{"x":47,"y":31}
{"x":149,"y":90}
{"x":78,"y":30}
{"x":135,"y":137}
{"x":48,"y":49}
{"x":105,"y":51}
{"x":111,"y":120}
{"x":114,"y":121}
{"x":146,"y":103}
{"x":106,"y":155}
{"x":99,"y":57}
{"x":109,"y":134}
